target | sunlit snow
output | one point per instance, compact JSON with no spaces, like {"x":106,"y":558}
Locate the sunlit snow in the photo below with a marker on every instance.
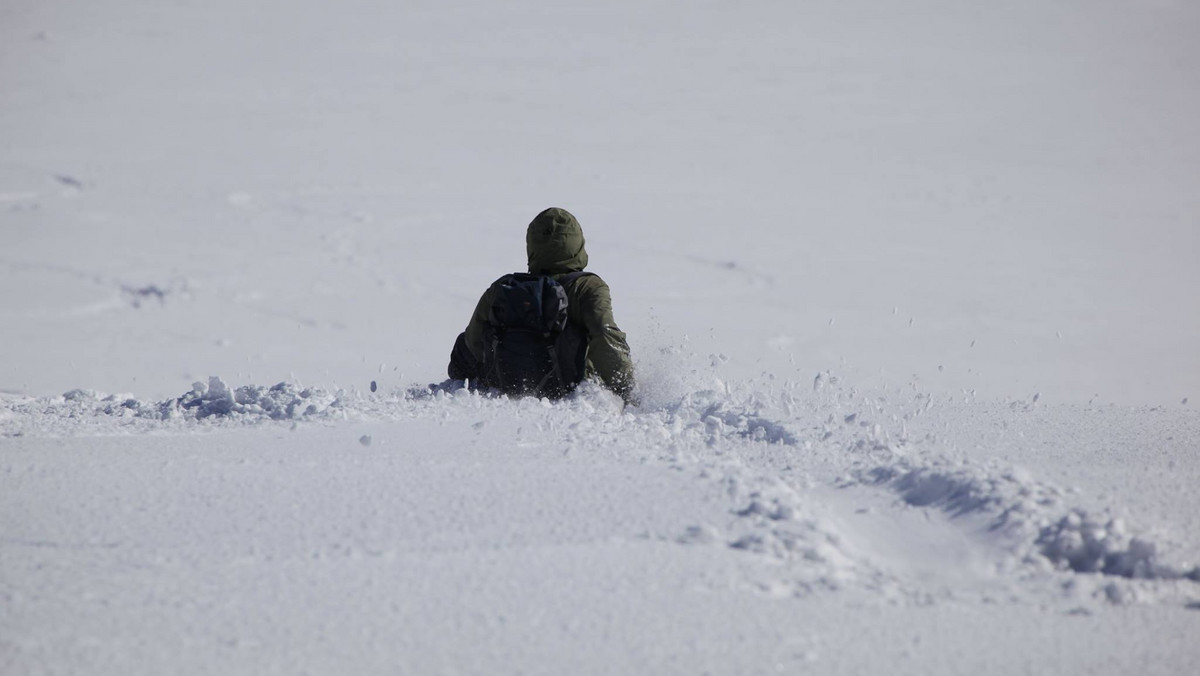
{"x":910,"y":288}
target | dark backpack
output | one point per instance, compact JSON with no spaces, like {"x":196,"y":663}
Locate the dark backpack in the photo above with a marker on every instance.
{"x":530,"y":346}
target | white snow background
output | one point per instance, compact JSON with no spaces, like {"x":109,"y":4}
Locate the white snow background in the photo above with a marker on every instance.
{"x":911,"y":288}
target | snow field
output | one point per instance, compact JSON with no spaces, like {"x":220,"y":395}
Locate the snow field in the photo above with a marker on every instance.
{"x":723,"y":504}
{"x":910,"y":287}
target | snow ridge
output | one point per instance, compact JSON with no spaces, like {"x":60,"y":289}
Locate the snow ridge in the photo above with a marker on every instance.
{"x":215,"y":403}
{"x":1035,"y":517}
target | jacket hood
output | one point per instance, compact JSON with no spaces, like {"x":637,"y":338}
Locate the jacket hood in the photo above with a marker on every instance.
{"x":554,"y":243}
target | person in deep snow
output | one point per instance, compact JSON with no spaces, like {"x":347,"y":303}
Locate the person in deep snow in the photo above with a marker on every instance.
{"x":590,"y":338}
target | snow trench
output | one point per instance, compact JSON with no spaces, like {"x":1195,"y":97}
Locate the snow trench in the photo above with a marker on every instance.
{"x":1036,"y":516}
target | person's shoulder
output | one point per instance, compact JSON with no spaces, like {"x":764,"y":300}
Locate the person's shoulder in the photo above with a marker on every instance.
{"x":495,"y":285}
{"x":580,"y":277}
{"x":584,"y":282}
{"x":506,"y":278}
{"x":494,"y":288}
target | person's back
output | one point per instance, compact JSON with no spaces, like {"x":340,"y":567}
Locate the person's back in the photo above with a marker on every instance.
{"x":555,"y":247}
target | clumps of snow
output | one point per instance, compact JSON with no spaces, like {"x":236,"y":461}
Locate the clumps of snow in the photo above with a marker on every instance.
{"x":284,"y":401}
{"x":805,"y":540}
{"x":773,"y":520}
{"x":706,"y":417}
{"x":1086,"y":544}
{"x":813,"y":551}
{"x":721,"y":419}
{"x":88,"y":411}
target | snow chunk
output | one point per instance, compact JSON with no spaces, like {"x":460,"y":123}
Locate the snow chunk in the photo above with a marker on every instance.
{"x":282,"y":401}
{"x":1084,"y":544}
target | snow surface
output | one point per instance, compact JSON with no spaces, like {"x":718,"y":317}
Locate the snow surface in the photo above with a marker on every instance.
{"x":910,"y":286}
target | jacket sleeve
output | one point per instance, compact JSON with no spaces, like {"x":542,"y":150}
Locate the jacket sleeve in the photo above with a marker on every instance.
{"x":608,"y":349}
{"x":463,"y":364}
{"x":467,"y":355}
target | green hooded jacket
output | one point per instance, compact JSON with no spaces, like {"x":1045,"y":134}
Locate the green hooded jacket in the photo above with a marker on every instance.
{"x":555,"y":245}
